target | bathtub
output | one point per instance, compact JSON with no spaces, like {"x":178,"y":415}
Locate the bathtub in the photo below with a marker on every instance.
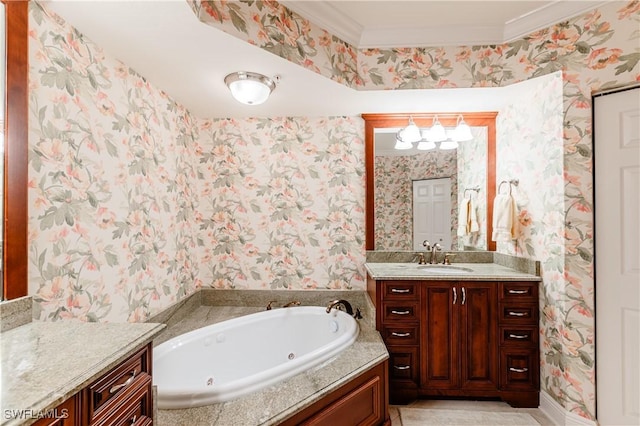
{"x":227,"y":360}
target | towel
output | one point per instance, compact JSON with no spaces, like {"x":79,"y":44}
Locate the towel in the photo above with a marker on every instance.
{"x":473,"y":217}
{"x":505,"y":222}
{"x":467,"y":217}
{"x":463,"y":217}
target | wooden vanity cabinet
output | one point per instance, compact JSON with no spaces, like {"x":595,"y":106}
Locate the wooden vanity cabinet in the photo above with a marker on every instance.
{"x":460,"y":339}
{"x":121,"y":396}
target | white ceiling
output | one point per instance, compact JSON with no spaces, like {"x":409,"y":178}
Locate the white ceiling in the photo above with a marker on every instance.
{"x":163,"y":41}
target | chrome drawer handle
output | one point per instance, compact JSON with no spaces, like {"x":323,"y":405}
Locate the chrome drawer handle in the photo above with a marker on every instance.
{"x":402,"y":367}
{"x":400,"y":290}
{"x":133,"y":420}
{"x":518,"y":370}
{"x":393,"y":333}
{"x":455,"y":296}
{"x":116,"y":388}
{"x":401,"y":312}
{"x":518,"y":291}
{"x":518,"y":336}
{"x":464,"y":296}
{"x":517,"y":314}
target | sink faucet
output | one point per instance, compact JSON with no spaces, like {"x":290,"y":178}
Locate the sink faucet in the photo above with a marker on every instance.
{"x":346,"y":306}
{"x":292,"y":303}
{"x":436,"y":248}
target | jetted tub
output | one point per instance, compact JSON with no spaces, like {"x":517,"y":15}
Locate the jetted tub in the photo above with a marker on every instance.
{"x":233,"y":358}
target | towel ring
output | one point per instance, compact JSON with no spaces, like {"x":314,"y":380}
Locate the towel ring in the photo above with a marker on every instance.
{"x":500,"y":186}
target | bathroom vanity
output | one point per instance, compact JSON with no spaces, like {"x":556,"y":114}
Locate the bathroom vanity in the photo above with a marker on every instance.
{"x":464,"y":330}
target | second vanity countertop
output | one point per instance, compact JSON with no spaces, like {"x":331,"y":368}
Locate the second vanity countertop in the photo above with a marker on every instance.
{"x":45,"y":363}
{"x":453,"y":272}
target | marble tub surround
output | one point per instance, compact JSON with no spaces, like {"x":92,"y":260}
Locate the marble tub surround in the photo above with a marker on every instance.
{"x":280,"y":401}
{"x":520,"y":264}
{"x":474,"y":272}
{"x":15,"y":312}
{"x":45,"y":363}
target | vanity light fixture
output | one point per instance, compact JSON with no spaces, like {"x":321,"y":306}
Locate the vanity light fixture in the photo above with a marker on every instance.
{"x":250,"y":88}
{"x":427,"y":138}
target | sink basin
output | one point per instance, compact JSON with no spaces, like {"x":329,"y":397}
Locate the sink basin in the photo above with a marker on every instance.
{"x":444,"y":269}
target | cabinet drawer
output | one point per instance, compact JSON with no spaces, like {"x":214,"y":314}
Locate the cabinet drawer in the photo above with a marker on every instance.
{"x":519,"y":336}
{"x":522,"y":292}
{"x":118,"y":381}
{"x":403,"y":364}
{"x":134,"y":409}
{"x":518,"y":313}
{"x":400,"y":311}
{"x":519,"y":369}
{"x":399,"y":290}
{"x":401,"y":335}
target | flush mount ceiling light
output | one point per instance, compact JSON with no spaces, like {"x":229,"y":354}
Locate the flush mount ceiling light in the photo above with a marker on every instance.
{"x":250,"y":88}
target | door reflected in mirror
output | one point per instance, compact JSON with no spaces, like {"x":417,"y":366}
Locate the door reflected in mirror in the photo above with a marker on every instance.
{"x":398,"y":218}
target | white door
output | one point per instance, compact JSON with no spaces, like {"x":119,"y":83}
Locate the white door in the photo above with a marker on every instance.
{"x":617,"y":256}
{"x":432,"y":212}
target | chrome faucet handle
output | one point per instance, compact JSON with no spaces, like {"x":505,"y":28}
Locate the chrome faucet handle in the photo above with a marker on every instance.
{"x":437,"y":247}
{"x":426,"y":244}
{"x":269,"y":307}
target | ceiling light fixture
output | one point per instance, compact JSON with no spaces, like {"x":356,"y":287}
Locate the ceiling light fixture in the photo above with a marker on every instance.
{"x":250,"y":88}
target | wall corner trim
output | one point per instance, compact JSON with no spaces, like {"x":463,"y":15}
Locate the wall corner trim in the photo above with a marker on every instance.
{"x":559,"y":415}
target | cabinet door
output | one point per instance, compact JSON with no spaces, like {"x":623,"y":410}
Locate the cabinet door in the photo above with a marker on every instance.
{"x":440,"y":345}
{"x":478,"y":336}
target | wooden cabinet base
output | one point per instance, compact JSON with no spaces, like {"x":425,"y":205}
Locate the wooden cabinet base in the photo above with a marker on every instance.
{"x":362,"y":401}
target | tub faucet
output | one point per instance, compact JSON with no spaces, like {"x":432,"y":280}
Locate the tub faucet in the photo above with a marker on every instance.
{"x":347,"y":307}
{"x":292,"y":303}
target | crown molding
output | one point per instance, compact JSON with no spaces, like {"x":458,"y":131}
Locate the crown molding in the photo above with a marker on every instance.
{"x":545,"y":16}
{"x":326,"y":16}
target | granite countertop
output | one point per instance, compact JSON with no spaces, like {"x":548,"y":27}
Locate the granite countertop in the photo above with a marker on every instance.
{"x":45,"y":363}
{"x":469,"y":272}
{"x":278,"y":402}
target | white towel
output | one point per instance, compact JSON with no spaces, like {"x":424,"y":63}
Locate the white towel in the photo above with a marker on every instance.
{"x":463,"y":217}
{"x":505,"y":221}
{"x":473,"y":217}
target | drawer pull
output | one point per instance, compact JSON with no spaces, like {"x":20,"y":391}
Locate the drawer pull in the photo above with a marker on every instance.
{"x":393,"y":333}
{"x":402,"y":367}
{"x":133,"y":420}
{"x":517,"y":314}
{"x":400,"y":290}
{"x":518,"y":291}
{"x":518,"y":336}
{"x":455,"y":296}
{"x":518,"y":370}
{"x":116,"y":388}
{"x":401,"y":312}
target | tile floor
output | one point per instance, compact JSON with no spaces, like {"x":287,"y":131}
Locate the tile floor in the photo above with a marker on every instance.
{"x":468,"y":405}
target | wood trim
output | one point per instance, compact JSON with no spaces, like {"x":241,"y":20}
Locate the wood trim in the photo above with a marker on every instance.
{"x":15,"y":153}
{"x":373,"y":121}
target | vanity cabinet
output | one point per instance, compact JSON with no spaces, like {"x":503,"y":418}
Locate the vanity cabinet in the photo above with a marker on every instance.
{"x":121,"y":396}
{"x":460,"y":338}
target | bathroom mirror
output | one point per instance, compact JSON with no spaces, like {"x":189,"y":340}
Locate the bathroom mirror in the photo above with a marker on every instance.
{"x":426,"y":167}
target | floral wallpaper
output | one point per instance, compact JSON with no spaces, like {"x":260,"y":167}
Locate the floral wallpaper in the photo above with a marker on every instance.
{"x":121,"y":222}
{"x":472,"y":173}
{"x":530,"y":149}
{"x":282,"y":203}
{"x":276,"y":29}
{"x":111,"y":166}
{"x":394,"y":194}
